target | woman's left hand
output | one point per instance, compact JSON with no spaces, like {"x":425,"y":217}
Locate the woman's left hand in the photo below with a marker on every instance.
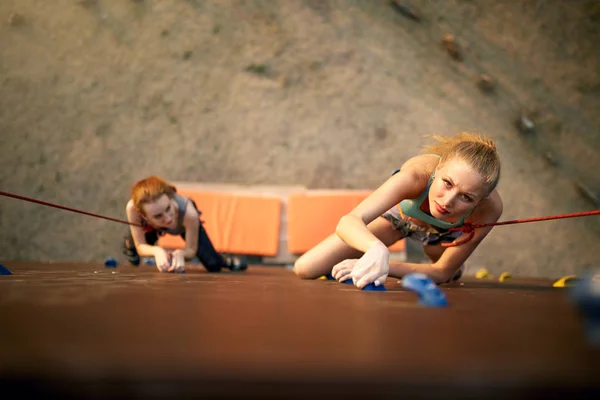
{"x":177,"y":261}
{"x":373,"y":266}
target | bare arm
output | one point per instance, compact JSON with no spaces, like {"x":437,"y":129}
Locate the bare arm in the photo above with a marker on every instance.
{"x":352,"y":228}
{"x":191,"y":222}
{"x":139,"y":239}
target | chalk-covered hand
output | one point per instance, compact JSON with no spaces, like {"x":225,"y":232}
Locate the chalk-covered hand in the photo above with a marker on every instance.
{"x":162,"y":259}
{"x":373,"y":266}
{"x":341,"y":271}
{"x":177,"y":261}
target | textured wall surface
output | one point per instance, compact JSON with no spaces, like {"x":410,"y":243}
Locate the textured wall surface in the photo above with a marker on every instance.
{"x":95,"y":95}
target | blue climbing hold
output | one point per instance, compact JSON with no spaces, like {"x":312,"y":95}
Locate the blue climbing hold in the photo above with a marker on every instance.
{"x":149,"y":261}
{"x":4,"y":270}
{"x":586,"y":294}
{"x":429,"y":293}
{"x":371,"y":287}
{"x":111,"y":262}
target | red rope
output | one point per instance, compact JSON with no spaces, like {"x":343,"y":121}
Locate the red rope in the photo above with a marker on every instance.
{"x":560,"y":216}
{"x":466,"y":228}
{"x":16,"y":196}
{"x":470,"y":228}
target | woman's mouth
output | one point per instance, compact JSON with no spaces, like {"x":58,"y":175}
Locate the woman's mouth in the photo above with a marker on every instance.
{"x":441,"y":209}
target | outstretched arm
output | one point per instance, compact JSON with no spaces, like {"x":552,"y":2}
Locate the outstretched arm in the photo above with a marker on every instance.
{"x":191,"y":222}
{"x":373,"y":266}
{"x":352,"y":228}
{"x":139,"y":239}
{"x":143,"y":248}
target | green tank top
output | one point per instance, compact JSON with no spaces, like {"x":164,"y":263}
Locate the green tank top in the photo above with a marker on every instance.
{"x":412,"y":208}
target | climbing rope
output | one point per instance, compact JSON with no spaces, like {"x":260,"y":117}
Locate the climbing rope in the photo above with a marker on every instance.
{"x":470,"y":228}
{"x":467,"y":228}
{"x":45,"y":203}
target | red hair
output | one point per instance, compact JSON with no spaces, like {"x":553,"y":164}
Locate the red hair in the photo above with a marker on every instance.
{"x":148,"y":190}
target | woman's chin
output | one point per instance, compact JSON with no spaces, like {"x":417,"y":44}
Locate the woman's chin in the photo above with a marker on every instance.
{"x":441,"y":217}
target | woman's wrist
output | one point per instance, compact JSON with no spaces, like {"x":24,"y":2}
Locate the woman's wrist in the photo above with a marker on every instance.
{"x":376,"y":243}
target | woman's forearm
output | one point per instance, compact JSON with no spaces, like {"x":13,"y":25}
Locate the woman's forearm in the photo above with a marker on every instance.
{"x":189,"y":254}
{"x":146,"y":250}
{"x":353,"y":231}
{"x":400,"y":269}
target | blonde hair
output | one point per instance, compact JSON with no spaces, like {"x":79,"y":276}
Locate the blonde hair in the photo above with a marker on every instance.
{"x":148,"y":190}
{"x":478,"y":151}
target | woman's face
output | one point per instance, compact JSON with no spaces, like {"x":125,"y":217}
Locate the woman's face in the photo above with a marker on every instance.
{"x":455,"y":190}
{"x":161,"y":212}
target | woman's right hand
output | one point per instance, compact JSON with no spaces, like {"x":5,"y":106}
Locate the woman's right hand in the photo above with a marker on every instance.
{"x":342,"y":270}
{"x":372,"y":267}
{"x":162,"y":258}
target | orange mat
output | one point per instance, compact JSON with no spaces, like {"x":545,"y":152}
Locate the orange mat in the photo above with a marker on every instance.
{"x":237,"y":224}
{"x":314,"y":215}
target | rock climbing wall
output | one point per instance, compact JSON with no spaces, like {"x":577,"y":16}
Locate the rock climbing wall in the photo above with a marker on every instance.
{"x":97,"y":94}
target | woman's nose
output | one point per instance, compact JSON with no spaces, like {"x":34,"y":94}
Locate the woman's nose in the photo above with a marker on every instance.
{"x":448,"y":200}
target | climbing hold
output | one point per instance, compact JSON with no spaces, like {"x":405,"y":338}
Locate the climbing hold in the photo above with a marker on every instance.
{"x":371,"y":287}
{"x":525,"y":125}
{"x":405,"y":10}
{"x":485,"y":83}
{"x":482,"y":273}
{"x":586,"y":294}
{"x":149,"y":261}
{"x":565,"y":281}
{"x":452,"y":47}
{"x":111,"y":262}
{"x":429,"y":293}
{"x":4,"y":270}
{"x":504,"y":276}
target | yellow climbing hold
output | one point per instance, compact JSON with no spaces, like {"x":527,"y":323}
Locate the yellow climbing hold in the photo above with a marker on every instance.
{"x":482,"y":273}
{"x":322,"y":278}
{"x":565,"y":281}
{"x":504,"y":276}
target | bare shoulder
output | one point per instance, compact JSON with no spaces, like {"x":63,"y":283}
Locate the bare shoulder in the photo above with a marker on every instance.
{"x":489,"y":210}
{"x":191,"y":213}
{"x":129,"y":206}
{"x":413,"y":176}
{"x":421,"y":165}
{"x":131,"y":212}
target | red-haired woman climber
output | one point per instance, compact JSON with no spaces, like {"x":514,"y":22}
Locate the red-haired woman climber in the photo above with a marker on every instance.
{"x":159,"y":209}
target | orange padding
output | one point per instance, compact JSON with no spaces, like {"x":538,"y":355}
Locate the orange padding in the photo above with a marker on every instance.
{"x":235,"y":223}
{"x":312,"y":216}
